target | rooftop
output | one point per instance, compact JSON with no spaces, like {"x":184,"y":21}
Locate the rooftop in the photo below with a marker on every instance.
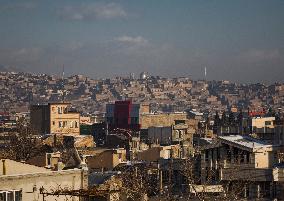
{"x":245,"y":141}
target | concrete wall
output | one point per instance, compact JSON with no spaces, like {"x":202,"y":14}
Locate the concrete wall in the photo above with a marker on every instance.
{"x":150,"y":155}
{"x":32,"y":182}
{"x":72,"y":120}
{"x":40,"y":118}
{"x":106,"y":160}
{"x":160,"y":135}
{"x":164,"y":120}
{"x":14,"y":168}
{"x":46,"y":119}
{"x":260,"y":122}
{"x":263,"y":159}
{"x":29,"y":179}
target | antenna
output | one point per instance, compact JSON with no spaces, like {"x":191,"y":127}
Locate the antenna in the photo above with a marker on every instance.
{"x":63,"y":88}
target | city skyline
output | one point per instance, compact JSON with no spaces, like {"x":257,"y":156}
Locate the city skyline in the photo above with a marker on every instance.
{"x":236,"y":40}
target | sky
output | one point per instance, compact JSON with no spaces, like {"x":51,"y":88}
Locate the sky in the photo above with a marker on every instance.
{"x":238,"y":40}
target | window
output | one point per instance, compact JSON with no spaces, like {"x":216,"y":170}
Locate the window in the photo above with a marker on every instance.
{"x":267,"y":123}
{"x":71,"y":124}
{"x":60,"y":124}
{"x":2,"y":195}
{"x":76,"y":124}
{"x":48,"y":159}
{"x":179,"y":122}
{"x":11,"y":195}
{"x":64,"y":124}
{"x":53,"y":123}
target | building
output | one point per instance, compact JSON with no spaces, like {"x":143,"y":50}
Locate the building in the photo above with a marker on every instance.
{"x":23,"y":182}
{"x":155,"y":153}
{"x":105,"y":159}
{"x":162,"y":119}
{"x":240,"y":159}
{"x":55,"y":118}
{"x":123,"y":114}
{"x":263,"y":127}
{"x":175,"y":134}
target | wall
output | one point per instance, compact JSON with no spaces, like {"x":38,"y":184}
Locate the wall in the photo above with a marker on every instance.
{"x":31,"y":183}
{"x":264,"y":159}
{"x":150,"y":155}
{"x":260,"y":122}
{"x":106,"y":160}
{"x":72,"y":119}
{"x":164,"y":120}
{"x":13,"y":168}
{"x":160,"y":135}
{"x":39,"y":118}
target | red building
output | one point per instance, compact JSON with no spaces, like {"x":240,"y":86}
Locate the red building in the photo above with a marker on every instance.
{"x":123,"y":114}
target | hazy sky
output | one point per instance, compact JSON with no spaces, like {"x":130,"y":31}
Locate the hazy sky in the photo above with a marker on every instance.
{"x":240,"y":40}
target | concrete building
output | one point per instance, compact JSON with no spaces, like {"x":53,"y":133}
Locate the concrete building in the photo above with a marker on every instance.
{"x":105,"y":159}
{"x":155,"y":153}
{"x":55,"y":118}
{"x":263,"y":127}
{"x":174,"y":134}
{"x":123,"y":114}
{"x":161,"y":119}
{"x":22,"y":182}
{"x":240,"y":158}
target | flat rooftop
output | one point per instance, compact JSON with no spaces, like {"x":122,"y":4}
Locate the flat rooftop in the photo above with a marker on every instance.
{"x":245,"y":141}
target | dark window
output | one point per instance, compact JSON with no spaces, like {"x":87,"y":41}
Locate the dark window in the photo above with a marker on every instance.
{"x":179,"y":122}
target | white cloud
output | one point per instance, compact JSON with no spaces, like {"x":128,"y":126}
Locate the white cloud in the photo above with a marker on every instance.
{"x":255,"y":55}
{"x":139,"y":40}
{"x":93,"y":11}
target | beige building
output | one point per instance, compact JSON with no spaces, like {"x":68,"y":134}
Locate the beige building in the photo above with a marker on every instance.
{"x":155,"y":153}
{"x":105,"y":159}
{"x":161,"y":119}
{"x":264,"y":128}
{"x":55,"y":118}
{"x":22,"y":182}
{"x":262,"y":122}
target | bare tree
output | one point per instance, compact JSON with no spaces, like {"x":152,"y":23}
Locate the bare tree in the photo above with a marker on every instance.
{"x":22,"y":144}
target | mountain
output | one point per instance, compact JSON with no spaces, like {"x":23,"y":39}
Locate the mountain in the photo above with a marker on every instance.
{"x":4,"y":68}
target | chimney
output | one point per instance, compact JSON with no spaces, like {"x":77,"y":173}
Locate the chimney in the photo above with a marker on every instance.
{"x":4,"y":167}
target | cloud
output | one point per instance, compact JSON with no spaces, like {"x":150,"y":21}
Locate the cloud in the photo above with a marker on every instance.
{"x":92,"y":11}
{"x":139,"y":40}
{"x":260,"y":55}
{"x":18,"y":6}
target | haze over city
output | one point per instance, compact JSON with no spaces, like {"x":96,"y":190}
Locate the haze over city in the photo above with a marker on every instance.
{"x":241,"y":40}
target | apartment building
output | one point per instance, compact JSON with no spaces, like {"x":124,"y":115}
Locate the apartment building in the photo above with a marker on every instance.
{"x":54,"y":118}
{"x":241,"y":158}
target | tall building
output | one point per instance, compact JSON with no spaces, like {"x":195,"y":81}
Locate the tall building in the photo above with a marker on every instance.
{"x":54,"y":118}
{"x":123,"y":114}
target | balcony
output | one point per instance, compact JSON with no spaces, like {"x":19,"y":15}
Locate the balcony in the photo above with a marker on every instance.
{"x":246,"y":174}
{"x":226,"y":164}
